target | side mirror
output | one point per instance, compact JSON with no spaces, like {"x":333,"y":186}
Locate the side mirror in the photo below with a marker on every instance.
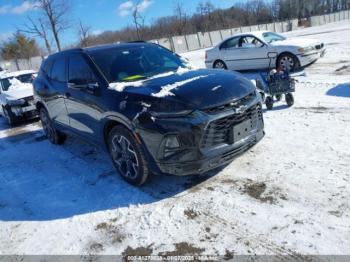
{"x":87,"y":87}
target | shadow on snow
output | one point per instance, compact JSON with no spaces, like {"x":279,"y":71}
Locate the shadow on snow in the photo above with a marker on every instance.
{"x":41,"y":181}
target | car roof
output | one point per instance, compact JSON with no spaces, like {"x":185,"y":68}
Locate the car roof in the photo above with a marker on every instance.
{"x":254,"y":33}
{"x":100,"y":47}
{"x":16,"y":73}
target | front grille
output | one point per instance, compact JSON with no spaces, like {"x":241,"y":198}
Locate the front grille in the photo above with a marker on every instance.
{"x":231,"y":105}
{"x":29,"y":101}
{"x":219,"y":131}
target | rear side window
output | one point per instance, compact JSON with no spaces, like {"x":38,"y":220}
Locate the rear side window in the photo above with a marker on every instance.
{"x":79,"y":71}
{"x":233,"y":42}
{"x":58,"y":71}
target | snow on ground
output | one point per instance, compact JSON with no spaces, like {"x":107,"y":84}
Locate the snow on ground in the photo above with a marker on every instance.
{"x":289,"y":195}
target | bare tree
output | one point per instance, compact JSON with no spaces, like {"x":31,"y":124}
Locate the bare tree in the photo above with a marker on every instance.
{"x":138,"y":19}
{"x":180,"y":18}
{"x":56,"y":12}
{"x":84,"y":33}
{"x":38,"y":29}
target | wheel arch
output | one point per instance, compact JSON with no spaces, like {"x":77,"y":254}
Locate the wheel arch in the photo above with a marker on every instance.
{"x":109,"y":123}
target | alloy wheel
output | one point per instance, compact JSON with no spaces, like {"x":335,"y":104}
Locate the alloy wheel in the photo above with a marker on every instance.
{"x":287,"y":63}
{"x":220,"y":65}
{"x":47,"y":126}
{"x":125,"y":157}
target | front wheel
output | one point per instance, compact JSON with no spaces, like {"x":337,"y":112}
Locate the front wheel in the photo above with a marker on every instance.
{"x":269,"y":102}
{"x":53,"y":135}
{"x":8,"y":115}
{"x":288,"y":62}
{"x":127,"y":156}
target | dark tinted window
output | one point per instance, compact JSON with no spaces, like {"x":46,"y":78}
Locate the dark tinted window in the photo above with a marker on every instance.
{"x":130,"y":63}
{"x":79,"y":71}
{"x":5,"y":84}
{"x":58,"y":71}
{"x":27,"y":78}
{"x":233,"y":42}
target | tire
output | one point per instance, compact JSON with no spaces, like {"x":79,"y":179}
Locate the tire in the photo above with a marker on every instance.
{"x":11,"y":120}
{"x":269,"y":102}
{"x":220,"y":65}
{"x":289,"y":99}
{"x":127,"y":156}
{"x":52,"y":134}
{"x":288,"y":61}
{"x":262,"y":94}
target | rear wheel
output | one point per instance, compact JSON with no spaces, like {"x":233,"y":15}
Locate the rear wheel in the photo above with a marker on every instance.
{"x":127,"y":156}
{"x":220,"y":65}
{"x":53,"y":135}
{"x":289,"y":99}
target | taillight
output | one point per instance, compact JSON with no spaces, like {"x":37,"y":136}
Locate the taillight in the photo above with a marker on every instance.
{"x":206,"y":55}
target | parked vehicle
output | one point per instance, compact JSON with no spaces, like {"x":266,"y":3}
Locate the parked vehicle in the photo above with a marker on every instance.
{"x":151,"y":113}
{"x":16,"y":95}
{"x":252,"y":51}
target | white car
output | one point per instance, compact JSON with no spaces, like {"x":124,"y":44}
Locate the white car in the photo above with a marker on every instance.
{"x":262,"y":50}
{"x":16,"y":95}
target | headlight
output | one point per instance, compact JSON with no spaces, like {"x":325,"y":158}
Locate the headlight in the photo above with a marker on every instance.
{"x":169,"y":109}
{"x":18,"y":102}
{"x":305,"y":49}
{"x":171,"y":114}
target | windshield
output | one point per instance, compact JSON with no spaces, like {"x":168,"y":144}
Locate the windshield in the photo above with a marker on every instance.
{"x":10,"y":83}
{"x":270,"y":37}
{"x":123,"y":64}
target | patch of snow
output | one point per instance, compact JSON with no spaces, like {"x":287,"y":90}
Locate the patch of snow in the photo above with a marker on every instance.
{"x":182,"y":70}
{"x":7,"y":74}
{"x":166,"y":90}
{"x":144,"y":104}
{"x":120,"y":86}
{"x":17,"y":84}
{"x":215,"y":88}
{"x":288,"y":195}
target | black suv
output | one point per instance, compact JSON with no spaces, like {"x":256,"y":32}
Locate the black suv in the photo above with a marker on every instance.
{"x":148,"y":109}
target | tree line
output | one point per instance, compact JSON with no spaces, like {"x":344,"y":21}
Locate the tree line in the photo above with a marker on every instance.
{"x":55,"y":15}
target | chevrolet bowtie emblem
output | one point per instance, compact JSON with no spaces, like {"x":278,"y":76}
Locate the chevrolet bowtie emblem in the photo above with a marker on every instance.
{"x":240,"y":109}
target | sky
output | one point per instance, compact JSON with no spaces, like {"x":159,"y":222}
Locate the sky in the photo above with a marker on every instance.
{"x":100,"y":15}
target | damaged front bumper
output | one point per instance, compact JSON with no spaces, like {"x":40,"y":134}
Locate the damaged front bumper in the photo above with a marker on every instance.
{"x":308,"y":58}
{"x":202,"y":141}
{"x":22,"y":109}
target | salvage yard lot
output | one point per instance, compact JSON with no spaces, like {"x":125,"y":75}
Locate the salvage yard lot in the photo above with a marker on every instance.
{"x":290,"y":194}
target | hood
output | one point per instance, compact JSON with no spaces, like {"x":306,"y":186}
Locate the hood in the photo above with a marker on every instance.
{"x":299,"y":42}
{"x":197,"y":89}
{"x":15,"y":94}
